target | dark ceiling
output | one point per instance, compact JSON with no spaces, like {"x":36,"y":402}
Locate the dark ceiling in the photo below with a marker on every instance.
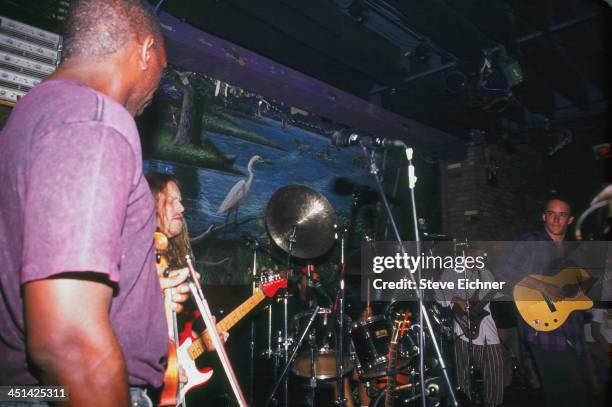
{"x":502,"y":66}
{"x":544,"y":70}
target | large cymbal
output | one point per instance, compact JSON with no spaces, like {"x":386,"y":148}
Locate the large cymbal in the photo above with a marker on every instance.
{"x":309,"y":212}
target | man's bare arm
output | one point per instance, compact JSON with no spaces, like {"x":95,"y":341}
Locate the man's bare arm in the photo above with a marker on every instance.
{"x":71,"y":341}
{"x":550,"y":290}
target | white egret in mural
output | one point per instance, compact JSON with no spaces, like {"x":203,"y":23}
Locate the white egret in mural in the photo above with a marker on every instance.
{"x":239,"y":192}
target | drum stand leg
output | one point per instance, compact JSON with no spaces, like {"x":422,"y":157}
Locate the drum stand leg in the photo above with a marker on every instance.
{"x":341,"y":401}
{"x":313,"y":375}
{"x":286,"y":349}
{"x":291,"y":239}
{"x":293,"y":354}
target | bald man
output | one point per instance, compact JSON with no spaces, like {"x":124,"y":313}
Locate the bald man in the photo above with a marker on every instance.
{"x":80,"y":301}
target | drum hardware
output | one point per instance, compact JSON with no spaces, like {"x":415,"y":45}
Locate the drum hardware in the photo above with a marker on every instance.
{"x":286,"y":347}
{"x":255,"y":247}
{"x":320,"y":352}
{"x":291,"y":240}
{"x":423,"y":313}
{"x":290,"y":360}
{"x":408,"y":395}
{"x":301,"y":222}
{"x":371,"y":341}
{"x":341,"y":401}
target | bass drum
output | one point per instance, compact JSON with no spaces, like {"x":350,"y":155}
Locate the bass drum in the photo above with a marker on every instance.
{"x":319,"y":345}
{"x":301,"y":394}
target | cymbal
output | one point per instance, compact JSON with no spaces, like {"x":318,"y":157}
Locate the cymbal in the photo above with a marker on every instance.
{"x":309,"y":213}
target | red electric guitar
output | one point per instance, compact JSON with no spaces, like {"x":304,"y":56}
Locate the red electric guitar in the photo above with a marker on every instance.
{"x":189,"y":350}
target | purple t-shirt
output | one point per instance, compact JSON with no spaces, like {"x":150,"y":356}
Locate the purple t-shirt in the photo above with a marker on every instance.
{"x":73,"y":199}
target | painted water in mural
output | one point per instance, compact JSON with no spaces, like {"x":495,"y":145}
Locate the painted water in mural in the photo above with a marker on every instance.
{"x":294,"y":146}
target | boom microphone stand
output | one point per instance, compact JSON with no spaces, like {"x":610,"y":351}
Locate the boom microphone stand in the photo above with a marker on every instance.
{"x":423,"y":314}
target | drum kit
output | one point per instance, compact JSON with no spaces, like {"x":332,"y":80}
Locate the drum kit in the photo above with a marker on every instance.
{"x":317,"y":352}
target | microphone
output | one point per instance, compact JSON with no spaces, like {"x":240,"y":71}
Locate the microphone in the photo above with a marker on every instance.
{"x":346,"y":138}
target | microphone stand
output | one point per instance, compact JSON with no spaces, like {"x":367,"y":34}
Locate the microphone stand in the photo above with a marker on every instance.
{"x":198,"y":295}
{"x":290,"y":360}
{"x":423,"y":314}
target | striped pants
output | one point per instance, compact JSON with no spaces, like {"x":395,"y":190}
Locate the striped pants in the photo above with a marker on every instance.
{"x":489,"y":361}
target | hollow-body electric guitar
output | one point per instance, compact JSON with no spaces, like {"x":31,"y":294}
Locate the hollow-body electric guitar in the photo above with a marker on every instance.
{"x":541,"y":312}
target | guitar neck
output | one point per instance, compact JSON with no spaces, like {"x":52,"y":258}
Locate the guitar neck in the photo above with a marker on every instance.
{"x":198,"y":347}
{"x":391,"y":372}
{"x":237,"y":314}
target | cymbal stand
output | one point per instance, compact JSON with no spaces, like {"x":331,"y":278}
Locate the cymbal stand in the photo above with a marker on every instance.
{"x":290,"y":360}
{"x":252,"y":344}
{"x":341,"y":401}
{"x":268,"y":352}
{"x":313,"y":374}
{"x":423,"y":313}
{"x":291,"y":239}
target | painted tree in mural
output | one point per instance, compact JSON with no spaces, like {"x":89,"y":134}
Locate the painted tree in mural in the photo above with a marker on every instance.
{"x":190,"y":124}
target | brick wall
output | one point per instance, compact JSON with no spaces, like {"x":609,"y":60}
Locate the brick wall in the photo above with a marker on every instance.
{"x":492,"y":194}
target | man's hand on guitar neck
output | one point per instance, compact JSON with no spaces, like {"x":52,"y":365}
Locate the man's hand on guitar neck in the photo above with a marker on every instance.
{"x":550,"y":290}
{"x":210,"y":346}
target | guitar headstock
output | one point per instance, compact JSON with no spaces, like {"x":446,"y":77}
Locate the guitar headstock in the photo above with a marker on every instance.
{"x":160,"y":241}
{"x":161,"y":247}
{"x":401,"y":322}
{"x":270,"y":283}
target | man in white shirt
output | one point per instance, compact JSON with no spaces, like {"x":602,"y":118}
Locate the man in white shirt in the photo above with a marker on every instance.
{"x":486,"y":353}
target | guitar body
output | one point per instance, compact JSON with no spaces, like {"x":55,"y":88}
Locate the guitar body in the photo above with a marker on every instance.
{"x":195,"y":376}
{"x":546,"y":315}
{"x":171,"y":379}
{"x":188,"y":351}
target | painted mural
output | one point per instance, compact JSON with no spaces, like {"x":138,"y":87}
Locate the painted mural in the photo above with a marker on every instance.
{"x":231,"y":150}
